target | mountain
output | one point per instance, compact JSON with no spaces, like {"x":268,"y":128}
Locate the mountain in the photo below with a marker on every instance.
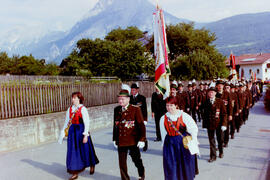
{"x":242,"y":34}
{"x":104,"y":17}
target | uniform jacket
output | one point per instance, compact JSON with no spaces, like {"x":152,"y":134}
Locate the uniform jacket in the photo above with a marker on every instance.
{"x":128,"y":126}
{"x":235,"y":103}
{"x":184,"y":99}
{"x":245,"y":100}
{"x":240,"y":100}
{"x":203,"y":97}
{"x":215,"y":114}
{"x":249,"y":96}
{"x":226,"y":98}
{"x":140,"y":101}
{"x":158,"y":105}
{"x":193,"y":99}
{"x":199,"y":96}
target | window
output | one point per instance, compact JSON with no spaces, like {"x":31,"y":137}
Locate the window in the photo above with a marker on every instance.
{"x":258,"y":71}
{"x":268,"y":65}
{"x":265,"y":70}
{"x":250,"y":71}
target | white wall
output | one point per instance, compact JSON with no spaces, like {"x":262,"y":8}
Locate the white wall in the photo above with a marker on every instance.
{"x":266,"y":75}
{"x":254,"y":68}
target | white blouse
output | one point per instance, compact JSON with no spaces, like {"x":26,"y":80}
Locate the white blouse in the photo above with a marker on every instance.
{"x":85,"y":117}
{"x":191,"y":126}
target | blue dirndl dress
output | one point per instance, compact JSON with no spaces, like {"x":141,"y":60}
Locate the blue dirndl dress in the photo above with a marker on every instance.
{"x":79,"y":155}
{"x":178,"y":163}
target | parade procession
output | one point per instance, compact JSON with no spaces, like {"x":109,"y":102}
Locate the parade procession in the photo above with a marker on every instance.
{"x":123,"y":94}
{"x":219,"y":106}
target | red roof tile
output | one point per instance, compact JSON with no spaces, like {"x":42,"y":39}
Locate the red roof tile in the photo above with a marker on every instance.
{"x":250,"y":59}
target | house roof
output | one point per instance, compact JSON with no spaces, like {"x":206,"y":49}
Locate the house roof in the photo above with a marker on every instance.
{"x":247,"y":59}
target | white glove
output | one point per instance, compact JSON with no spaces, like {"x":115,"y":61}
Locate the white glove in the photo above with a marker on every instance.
{"x":223,"y":128}
{"x":145,"y":123}
{"x":61,"y":137}
{"x":141,"y":144}
{"x":114,"y":144}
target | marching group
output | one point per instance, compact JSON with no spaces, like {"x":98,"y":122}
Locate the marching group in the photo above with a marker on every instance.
{"x":222,"y":107}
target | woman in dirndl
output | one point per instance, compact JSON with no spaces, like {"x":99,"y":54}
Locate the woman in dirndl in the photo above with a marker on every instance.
{"x":178,"y":161}
{"x":80,"y":149}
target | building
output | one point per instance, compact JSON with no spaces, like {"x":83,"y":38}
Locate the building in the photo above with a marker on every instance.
{"x":252,"y":66}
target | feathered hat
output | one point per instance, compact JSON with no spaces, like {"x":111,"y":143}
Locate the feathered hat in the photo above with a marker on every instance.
{"x":125,"y":90}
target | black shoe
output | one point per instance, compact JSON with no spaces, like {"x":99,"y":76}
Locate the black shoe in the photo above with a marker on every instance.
{"x":92,"y":170}
{"x":145,"y":146}
{"x":212,"y":160}
{"x":225,"y":145}
{"x":221,"y":155}
{"x":142,"y":177}
{"x":74,"y":176}
{"x":156,"y":140}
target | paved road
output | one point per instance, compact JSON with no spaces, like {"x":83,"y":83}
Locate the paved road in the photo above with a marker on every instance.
{"x":247,"y":156}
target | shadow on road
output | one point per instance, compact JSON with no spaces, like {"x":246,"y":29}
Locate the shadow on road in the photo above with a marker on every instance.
{"x":55,"y":168}
{"x":60,"y":171}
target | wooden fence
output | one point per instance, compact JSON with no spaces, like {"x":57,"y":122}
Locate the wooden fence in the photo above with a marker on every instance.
{"x":17,"y":100}
{"x":29,"y":78}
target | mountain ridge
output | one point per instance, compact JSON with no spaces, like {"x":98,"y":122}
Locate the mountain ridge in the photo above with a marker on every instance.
{"x":245,"y":33}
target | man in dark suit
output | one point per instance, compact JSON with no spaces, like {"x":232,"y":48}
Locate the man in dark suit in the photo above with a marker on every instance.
{"x":224,"y":95}
{"x":158,"y":106}
{"x":199,"y":100}
{"x":235,"y":107}
{"x":216,"y":122}
{"x":128,"y":134}
{"x":139,"y":100}
{"x":183,"y":96}
{"x":193,"y":100}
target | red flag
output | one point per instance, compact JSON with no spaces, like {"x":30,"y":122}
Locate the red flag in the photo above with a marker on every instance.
{"x":232,"y":61}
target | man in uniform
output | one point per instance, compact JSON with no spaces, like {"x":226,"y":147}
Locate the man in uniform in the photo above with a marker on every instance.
{"x":158,"y":106}
{"x":225,"y":97}
{"x":128,"y":133}
{"x":139,"y":100}
{"x":245,"y":102}
{"x":203,"y":100}
{"x":238,"y":120}
{"x":199,"y":100}
{"x":235,"y":109}
{"x":183,"y":96}
{"x":193,"y":101}
{"x":216,"y":122}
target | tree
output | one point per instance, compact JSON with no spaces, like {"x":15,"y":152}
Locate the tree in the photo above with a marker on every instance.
{"x":120,"y":54}
{"x":192,"y":54}
{"x":5,"y":63}
{"x":130,"y":33}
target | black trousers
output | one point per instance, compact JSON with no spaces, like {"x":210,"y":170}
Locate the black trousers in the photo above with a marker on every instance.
{"x":200,"y":113}
{"x":232,"y":126}
{"x":135,"y":154}
{"x":157,"y":120}
{"x":212,"y":141}
{"x":193,"y":114}
{"x":238,"y":121}
{"x":227,"y":133}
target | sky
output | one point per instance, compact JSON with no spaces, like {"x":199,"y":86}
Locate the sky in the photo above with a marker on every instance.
{"x":42,"y":16}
